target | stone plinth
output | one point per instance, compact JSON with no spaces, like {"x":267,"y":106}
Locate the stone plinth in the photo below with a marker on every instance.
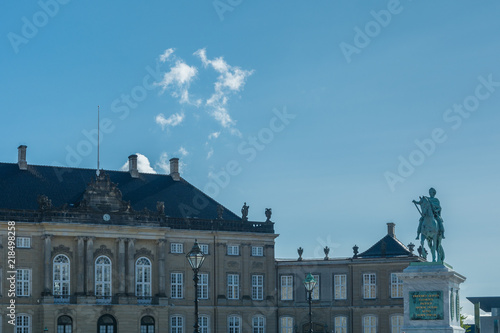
{"x":431,"y":298}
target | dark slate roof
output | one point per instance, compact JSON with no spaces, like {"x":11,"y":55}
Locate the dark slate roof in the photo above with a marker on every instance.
{"x":389,"y":246}
{"x":486,"y":303}
{"x":19,"y":190}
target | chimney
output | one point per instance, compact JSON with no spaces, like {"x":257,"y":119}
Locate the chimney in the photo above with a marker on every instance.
{"x":132,"y":166}
{"x":21,"y":157}
{"x":174,"y":169}
{"x":391,"y":227}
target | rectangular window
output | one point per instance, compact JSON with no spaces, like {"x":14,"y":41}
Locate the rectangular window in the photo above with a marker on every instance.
{"x":176,"y":248}
{"x":176,"y":323}
{"x":23,"y":282}
{"x":257,"y":251}
{"x":315,"y":292}
{"x":369,"y":286}
{"x":234,"y":324}
{"x":257,"y":287}
{"x":233,"y":286}
{"x":396,"y":286}
{"x":233,"y":250}
{"x":339,"y":282}
{"x":396,"y":323}
{"x":286,"y":325}
{"x":203,"y":286}
{"x":176,"y":289}
{"x":369,"y":324}
{"x":340,"y":324}
{"x":286,"y":287}
{"x":22,"y":324}
{"x":203,"y":322}
{"x":204,"y":248}
{"x":23,"y":242}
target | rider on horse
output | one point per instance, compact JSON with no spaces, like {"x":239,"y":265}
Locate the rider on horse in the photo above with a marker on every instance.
{"x":436,"y":209}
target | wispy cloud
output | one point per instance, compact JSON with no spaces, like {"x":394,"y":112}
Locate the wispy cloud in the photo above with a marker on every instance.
{"x":174,"y":120}
{"x":213,"y":135}
{"x":178,"y":79}
{"x":163,"y":163}
{"x":143,"y":165}
{"x":168,"y":52}
{"x":210,"y":153}
{"x":231,"y":80}
{"x":183,"y":152}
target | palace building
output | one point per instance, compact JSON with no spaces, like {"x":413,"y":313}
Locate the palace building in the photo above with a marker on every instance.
{"x":106,"y":252}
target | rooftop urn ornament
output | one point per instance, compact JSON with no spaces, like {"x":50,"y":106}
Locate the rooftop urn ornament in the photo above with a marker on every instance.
{"x":355,"y":249}
{"x":300,"y":250}
{"x":160,"y":207}
{"x":269,"y":212}
{"x":411,"y":247}
{"x":220,"y":211}
{"x":244,"y":212}
{"x":327,"y":251}
{"x":430,"y":226}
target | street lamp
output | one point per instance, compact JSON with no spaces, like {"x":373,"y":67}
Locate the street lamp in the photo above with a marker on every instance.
{"x":310,"y":283}
{"x":195,"y":258}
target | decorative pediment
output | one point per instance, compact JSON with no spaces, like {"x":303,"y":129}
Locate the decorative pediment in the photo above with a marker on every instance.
{"x":143,"y":252}
{"x":103,"y":251}
{"x":61,"y":249}
{"x":103,"y":195}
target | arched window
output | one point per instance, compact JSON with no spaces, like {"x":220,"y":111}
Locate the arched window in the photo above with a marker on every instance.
{"x":204,"y":325}
{"x":369,"y":324}
{"x":61,"y":276}
{"x":396,"y":323}
{"x":143,"y":277}
{"x":103,"y":277}
{"x":234,"y":324}
{"x":106,"y":324}
{"x":147,"y":324}
{"x":258,"y":324}
{"x":64,"y":324}
{"x":22,"y":323}
{"x":176,"y":324}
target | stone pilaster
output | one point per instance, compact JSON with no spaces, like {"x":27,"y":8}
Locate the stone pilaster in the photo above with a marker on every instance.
{"x":90,"y":266}
{"x":47,"y":255}
{"x":130,"y":266}
{"x":121,"y":266}
{"x":80,"y":265}
{"x":161,"y":268}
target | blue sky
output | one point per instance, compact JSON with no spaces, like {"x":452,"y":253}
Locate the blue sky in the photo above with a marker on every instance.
{"x":315,"y":107}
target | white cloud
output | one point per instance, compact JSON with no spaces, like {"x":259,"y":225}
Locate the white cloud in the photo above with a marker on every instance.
{"x":178,"y":79}
{"x":143,"y":165}
{"x":210,"y":153}
{"x":174,"y":120}
{"x":163,"y":163}
{"x":213,"y":135}
{"x":231,"y":80}
{"x":168,"y":52}
{"x":183,"y":152}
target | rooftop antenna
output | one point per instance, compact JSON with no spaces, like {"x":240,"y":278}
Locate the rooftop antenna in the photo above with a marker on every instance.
{"x":98,"y":131}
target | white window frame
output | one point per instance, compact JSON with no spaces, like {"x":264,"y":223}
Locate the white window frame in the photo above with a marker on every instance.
{"x":396,"y":286}
{"x":340,"y":324}
{"x":286,"y":324}
{"x":204,"y":322}
{"x":257,"y":251}
{"x":233,"y":250}
{"x":177,"y":285}
{"x":203,"y":285}
{"x":257,"y":287}
{"x":25,"y":326}
{"x":315,"y":292}
{"x":178,"y":326}
{"x":23,"y":282}
{"x":397,"y":322}
{"x":204,"y":248}
{"x":176,"y":248}
{"x":61,"y":276}
{"x":286,"y":287}
{"x":369,"y":286}
{"x":23,"y":242}
{"x":234,"y":324}
{"x":106,"y":270}
{"x":143,"y":277}
{"x":370,"y":324}
{"x":259,"y":324}
{"x":233,"y":286}
{"x":339,"y":286}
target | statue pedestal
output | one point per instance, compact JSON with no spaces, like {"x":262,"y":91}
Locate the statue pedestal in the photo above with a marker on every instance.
{"x":431,"y":298}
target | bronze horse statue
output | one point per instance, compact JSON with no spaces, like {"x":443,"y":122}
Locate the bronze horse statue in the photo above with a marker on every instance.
{"x":430,"y":232}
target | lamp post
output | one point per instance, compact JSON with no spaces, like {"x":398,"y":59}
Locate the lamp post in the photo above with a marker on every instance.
{"x":195,"y":258}
{"x":310,"y":283}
